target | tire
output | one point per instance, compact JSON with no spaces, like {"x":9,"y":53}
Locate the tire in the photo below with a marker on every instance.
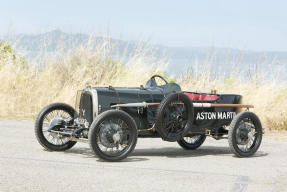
{"x":192,"y":145}
{"x":167,"y":125}
{"x":99,"y":137}
{"x":238,"y":132}
{"x":39,"y":127}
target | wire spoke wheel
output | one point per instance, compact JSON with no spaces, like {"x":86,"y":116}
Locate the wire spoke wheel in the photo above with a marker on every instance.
{"x":50,"y":123}
{"x":50,"y":120}
{"x":113,"y":135}
{"x":245,"y":134}
{"x":174,"y":117}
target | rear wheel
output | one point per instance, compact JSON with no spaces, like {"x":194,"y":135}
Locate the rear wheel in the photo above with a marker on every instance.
{"x":191,"y":143}
{"x":245,"y":134}
{"x":51,"y":120}
{"x":113,"y":135}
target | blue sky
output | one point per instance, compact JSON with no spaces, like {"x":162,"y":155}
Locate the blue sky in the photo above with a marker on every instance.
{"x":246,"y":24}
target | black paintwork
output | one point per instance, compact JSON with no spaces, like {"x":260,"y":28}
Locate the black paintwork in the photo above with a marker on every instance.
{"x":145,"y":117}
{"x":199,"y":126}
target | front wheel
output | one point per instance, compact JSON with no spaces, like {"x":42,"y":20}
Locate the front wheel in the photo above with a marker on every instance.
{"x":191,"y":143}
{"x":113,"y":135}
{"x":50,"y":121}
{"x":245,"y":134}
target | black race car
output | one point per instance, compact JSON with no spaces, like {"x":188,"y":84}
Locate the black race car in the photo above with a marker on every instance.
{"x":111,"y":119}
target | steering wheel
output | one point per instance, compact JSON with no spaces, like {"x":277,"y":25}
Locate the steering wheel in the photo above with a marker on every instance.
{"x":152,"y":82}
{"x":159,"y":76}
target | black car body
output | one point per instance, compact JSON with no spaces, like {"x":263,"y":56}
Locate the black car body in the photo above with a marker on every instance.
{"x":112,"y":118}
{"x":95,"y":100}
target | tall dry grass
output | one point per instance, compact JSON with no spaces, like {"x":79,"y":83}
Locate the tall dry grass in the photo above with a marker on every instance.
{"x":26,"y":88}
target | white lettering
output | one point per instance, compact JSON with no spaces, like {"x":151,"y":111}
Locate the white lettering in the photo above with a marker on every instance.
{"x":219,"y":115}
{"x":228,"y":115}
{"x":198,"y":116}
{"x":215,"y":115}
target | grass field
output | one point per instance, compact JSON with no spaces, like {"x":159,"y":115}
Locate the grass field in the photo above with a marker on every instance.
{"x":26,"y":88}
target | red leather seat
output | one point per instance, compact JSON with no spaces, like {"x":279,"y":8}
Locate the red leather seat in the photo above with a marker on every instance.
{"x":201,"y":96}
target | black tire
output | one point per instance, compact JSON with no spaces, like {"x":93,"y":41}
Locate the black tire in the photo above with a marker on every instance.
{"x":39,"y":126}
{"x":169,"y":128}
{"x":192,"y":145}
{"x":95,"y":137}
{"x":243,"y":122}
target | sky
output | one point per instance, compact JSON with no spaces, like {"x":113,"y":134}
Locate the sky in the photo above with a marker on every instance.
{"x":258,"y":25}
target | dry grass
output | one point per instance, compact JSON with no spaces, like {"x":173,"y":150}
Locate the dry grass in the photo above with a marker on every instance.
{"x":25,"y":89}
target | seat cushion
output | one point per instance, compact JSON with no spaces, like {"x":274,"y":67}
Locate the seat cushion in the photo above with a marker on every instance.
{"x":201,"y":96}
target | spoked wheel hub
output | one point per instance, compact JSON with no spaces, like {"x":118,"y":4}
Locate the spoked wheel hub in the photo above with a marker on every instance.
{"x":243,"y":134}
{"x":111,"y":135}
{"x":174,"y":118}
{"x":55,"y":125}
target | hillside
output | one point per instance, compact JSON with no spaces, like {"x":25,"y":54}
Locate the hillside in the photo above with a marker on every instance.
{"x":223,"y":60}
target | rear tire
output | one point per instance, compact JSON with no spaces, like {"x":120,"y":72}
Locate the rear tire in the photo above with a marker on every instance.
{"x":112,"y":130}
{"x":39,"y":132}
{"x":245,"y":134}
{"x":191,"y":145}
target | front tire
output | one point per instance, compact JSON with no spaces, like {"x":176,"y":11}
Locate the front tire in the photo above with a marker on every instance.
{"x":51,"y":141}
{"x":191,"y":143}
{"x":245,"y":134}
{"x":113,"y":135}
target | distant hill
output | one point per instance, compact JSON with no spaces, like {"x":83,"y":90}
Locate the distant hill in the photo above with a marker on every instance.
{"x":222,"y":59}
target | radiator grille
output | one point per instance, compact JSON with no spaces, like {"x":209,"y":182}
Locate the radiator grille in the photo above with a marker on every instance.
{"x":86,"y":107}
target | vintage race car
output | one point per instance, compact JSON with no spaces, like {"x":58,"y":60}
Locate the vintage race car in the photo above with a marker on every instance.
{"x":111,"y":119}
